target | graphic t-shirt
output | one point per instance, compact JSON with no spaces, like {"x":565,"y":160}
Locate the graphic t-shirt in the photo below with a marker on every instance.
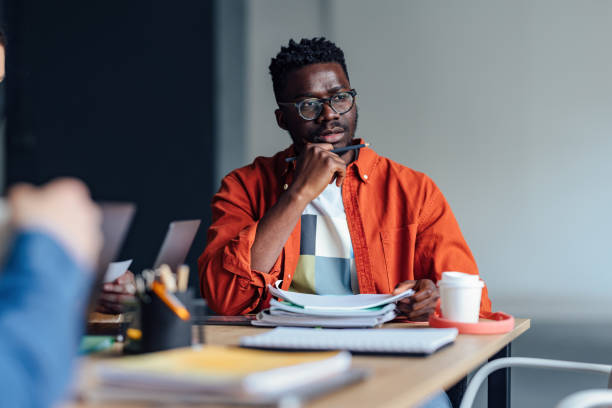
{"x":327,"y":264}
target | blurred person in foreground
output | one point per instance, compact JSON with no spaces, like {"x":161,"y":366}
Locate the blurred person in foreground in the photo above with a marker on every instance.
{"x":45,"y":281}
{"x":52,"y":240}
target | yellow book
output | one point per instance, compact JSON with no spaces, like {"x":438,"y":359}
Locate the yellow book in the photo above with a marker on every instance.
{"x":218,"y":371}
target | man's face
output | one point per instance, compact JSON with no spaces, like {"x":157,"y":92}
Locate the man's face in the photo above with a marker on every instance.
{"x":317,"y":81}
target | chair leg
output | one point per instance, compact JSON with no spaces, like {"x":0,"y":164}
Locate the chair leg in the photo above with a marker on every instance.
{"x":455,"y":393}
{"x":499,"y":382}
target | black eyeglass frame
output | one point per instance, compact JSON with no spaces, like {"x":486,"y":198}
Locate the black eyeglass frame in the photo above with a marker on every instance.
{"x":322,"y":101}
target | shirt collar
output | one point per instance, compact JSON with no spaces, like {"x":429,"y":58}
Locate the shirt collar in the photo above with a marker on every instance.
{"x":282,"y":166}
{"x":365,"y":163}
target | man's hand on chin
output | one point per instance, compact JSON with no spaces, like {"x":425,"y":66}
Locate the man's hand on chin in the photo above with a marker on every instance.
{"x":422,"y":304}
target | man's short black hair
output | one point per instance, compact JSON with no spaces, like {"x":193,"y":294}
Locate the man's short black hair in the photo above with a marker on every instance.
{"x":2,"y":38}
{"x":297,"y":55}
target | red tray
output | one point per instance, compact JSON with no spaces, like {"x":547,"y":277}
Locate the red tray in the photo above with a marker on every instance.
{"x":496,"y":323}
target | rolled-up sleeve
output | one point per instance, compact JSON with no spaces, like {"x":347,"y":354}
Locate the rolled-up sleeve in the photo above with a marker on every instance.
{"x":227,"y":281}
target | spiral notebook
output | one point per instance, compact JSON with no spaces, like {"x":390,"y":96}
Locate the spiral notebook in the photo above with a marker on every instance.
{"x":411,"y":341}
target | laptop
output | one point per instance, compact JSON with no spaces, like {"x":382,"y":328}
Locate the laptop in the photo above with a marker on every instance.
{"x":116,"y":220}
{"x":176,"y":245}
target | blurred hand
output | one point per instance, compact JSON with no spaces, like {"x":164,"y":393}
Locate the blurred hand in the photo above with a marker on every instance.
{"x":422,"y":304}
{"x":116,"y":293}
{"x":62,"y":208}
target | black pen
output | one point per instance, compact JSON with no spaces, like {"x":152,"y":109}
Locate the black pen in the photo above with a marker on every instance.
{"x":337,"y":151}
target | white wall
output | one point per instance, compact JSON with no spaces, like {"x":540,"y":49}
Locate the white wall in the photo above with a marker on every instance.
{"x":249,"y":34}
{"x":506,"y":105}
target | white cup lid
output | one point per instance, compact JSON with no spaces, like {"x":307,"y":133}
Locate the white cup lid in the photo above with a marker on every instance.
{"x":460,"y":279}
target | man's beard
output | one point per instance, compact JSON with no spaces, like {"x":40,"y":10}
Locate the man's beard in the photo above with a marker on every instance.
{"x":335,"y":124}
{"x":314,"y":135}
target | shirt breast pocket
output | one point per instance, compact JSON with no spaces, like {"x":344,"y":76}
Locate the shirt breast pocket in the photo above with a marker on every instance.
{"x":398,"y":248}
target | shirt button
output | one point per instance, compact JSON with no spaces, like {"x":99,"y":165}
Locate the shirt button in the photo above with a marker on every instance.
{"x":286,"y":186}
{"x":289,"y":276}
{"x":365,"y":176}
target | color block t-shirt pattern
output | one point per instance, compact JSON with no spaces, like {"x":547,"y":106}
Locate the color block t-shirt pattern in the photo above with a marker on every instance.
{"x":327,"y":264}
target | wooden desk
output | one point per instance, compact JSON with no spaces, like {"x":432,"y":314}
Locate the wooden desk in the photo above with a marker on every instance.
{"x":102,"y":323}
{"x":398,"y":381}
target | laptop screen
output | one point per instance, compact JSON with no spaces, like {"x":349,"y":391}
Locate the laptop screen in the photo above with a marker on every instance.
{"x":116,"y":220}
{"x":177,"y":243}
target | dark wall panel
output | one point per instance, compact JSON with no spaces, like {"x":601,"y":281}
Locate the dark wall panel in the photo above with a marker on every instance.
{"x":119,"y":94}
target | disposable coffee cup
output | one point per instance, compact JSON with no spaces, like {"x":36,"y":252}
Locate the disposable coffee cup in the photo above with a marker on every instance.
{"x":460,"y":296}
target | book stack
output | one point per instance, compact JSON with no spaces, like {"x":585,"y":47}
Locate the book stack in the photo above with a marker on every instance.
{"x":333,"y":311}
{"x":220,"y":375}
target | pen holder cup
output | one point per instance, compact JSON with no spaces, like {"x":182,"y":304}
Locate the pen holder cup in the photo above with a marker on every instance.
{"x":161,"y":327}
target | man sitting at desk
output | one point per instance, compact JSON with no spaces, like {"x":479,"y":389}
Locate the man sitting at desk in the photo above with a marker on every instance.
{"x":327,"y":223}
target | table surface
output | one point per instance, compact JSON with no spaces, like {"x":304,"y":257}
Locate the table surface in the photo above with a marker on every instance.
{"x":395,"y":381}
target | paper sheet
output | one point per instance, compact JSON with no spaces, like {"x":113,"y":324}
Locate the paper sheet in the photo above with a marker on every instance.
{"x":116,"y":269}
{"x":337,"y":302}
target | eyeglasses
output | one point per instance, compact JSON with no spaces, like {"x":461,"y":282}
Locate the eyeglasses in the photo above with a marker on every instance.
{"x":311,"y":108}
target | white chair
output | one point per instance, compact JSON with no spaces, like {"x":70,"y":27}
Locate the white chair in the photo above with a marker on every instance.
{"x":581,"y":399}
{"x":587,"y":399}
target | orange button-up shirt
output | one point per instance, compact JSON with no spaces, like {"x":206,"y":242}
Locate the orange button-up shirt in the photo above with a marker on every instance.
{"x":400,"y":224}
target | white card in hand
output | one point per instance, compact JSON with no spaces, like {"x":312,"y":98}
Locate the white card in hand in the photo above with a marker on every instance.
{"x":116,"y":269}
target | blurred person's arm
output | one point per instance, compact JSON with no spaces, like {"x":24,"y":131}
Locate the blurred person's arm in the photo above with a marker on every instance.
{"x":41,"y":316}
{"x":44,"y":285}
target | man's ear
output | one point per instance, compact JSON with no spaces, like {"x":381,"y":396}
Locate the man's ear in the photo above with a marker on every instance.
{"x":280,"y":119}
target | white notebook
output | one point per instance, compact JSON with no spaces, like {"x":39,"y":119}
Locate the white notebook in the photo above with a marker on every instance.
{"x":283,"y":318}
{"x":375,"y":341}
{"x":276,"y":307}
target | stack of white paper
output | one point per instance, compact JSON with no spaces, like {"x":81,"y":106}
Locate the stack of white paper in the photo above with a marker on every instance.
{"x":339,"y":311}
